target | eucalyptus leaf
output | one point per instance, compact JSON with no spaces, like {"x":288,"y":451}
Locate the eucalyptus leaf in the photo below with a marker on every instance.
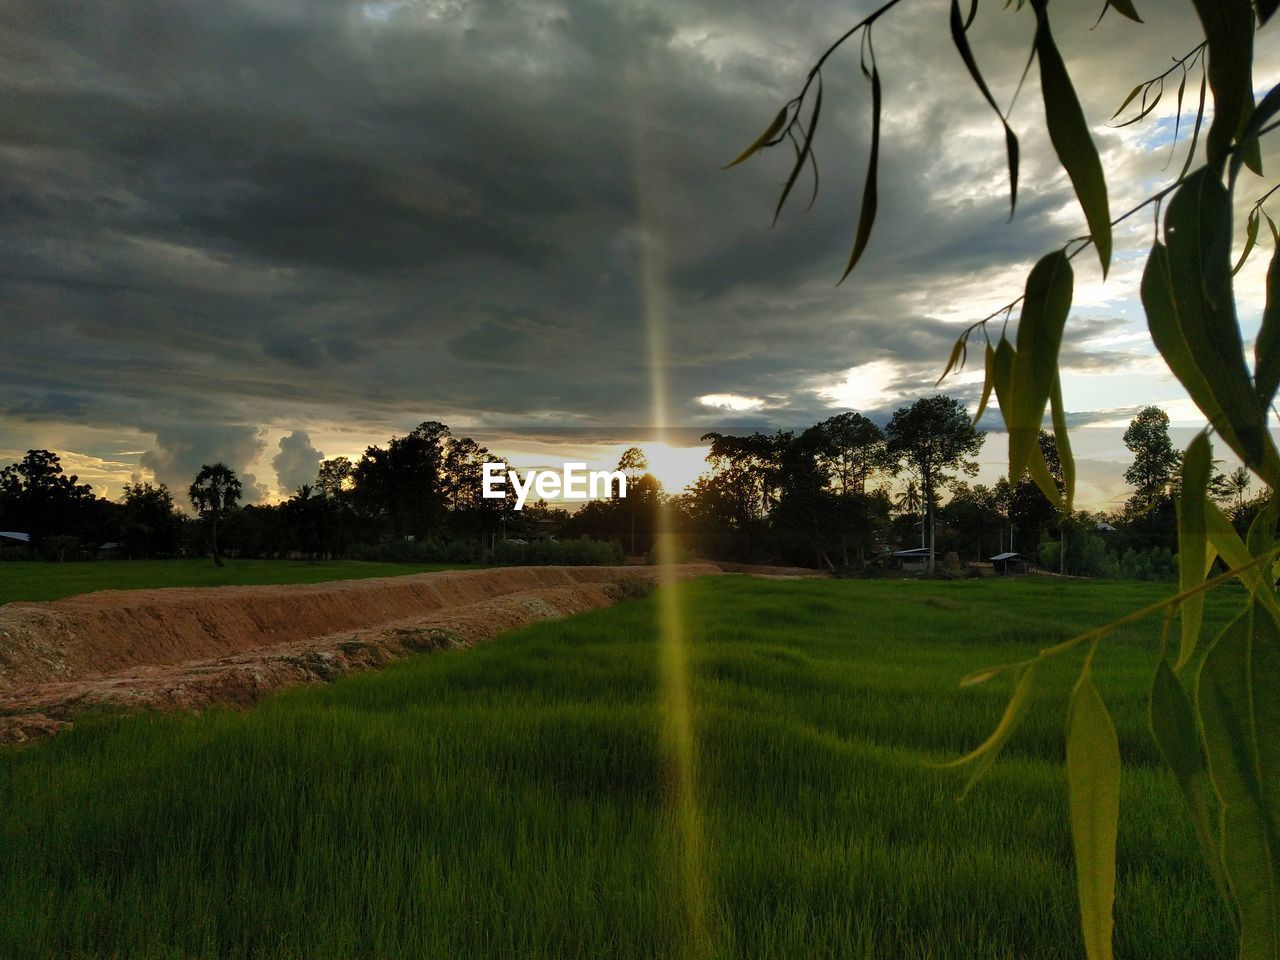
{"x":985,"y":755}
{"x":867,"y":215}
{"x":1266,"y":349}
{"x":958,"y":29}
{"x":1044,"y":316}
{"x":1093,"y":786}
{"x":770,"y":132}
{"x":1228,"y":28}
{"x":1193,"y":541}
{"x":1240,"y":713}
{"x":1173,"y":725}
{"x":1069,"y":133}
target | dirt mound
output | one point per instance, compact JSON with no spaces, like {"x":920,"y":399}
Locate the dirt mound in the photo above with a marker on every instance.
{"x":185,"y":648}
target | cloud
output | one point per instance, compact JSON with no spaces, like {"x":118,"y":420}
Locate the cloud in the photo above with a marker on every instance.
{"x":363,"y":215}
{"x":297,"y":463}
{"x":181,"y":450}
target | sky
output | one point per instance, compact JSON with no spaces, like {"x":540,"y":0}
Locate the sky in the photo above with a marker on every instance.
{"x":266,"y":231}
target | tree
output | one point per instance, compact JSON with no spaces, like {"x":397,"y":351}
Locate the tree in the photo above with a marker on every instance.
{"x":336,"y":477}
{"x":1155,"y":461}
{"x":214,"y":493}
{"x":1203,"y":695}
{"x":933,"y":435}
{"x":634,"y":464}
{"x":1238,"y":481}
{"x":38,"y":498}
{"x":151,"y":523}
{"x":851,"y":448}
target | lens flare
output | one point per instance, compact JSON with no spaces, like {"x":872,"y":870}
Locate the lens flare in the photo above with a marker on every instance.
{"x":678,"y":719}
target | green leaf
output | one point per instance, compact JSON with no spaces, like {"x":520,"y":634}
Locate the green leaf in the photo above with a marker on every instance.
{"x":1250,"y":238}
{"x":1129,"y":99}
{"x":1125,"y":8}
{"x":1093,"y":783}
{"x":1003,"y":365}
{"x":803,"y":154}
{"x":1173,"y":725}
{"x":1241,"y":718}
{"x":1228,"y":28}
{"x":1166,"y":333}
{"x":1262,"y":532}
{"x":1266,"y":349}
{"x":956,"y":352}
{"x":1062,"y":440}
{"x":1193,"y":542}
{"x":986,"y":386}
{"x":1069,"y":133}
{"x":1044,"y":315}
{"x":867,"y":216}
{"x":1195,"y":132}
{"x":1267,"y":109}
{"x":985,"y":755}
{"x":958,"y":28}
{"x":1235,"y":555}
{"x":770,"y":132}
{"x":1198,"y":238}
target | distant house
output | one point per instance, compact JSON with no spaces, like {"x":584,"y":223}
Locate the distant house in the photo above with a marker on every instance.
{"x":916,"y":559}
{"x":14,"y":535}
{"x":1009,"y":562}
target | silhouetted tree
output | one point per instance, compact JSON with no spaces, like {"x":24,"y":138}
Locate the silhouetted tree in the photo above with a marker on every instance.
{"x":38,"y":498}
{"x":151,"y":524}
{"x":214,"y":493}
{"x":932,"y":436}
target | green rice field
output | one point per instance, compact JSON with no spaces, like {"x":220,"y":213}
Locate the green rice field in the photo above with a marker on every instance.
{"x":514,"y":800}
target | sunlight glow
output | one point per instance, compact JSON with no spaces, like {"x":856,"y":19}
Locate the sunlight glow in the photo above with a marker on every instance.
{"x":864,"y":387}
{"x":678,"y":733}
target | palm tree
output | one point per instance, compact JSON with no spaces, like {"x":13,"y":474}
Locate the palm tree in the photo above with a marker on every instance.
{"x":910,"y":501}
{"x":1238,"y":482}
{"x":214,"y":493}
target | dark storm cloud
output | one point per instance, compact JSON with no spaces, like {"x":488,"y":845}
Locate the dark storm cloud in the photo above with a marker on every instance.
{"x":375,"y":213}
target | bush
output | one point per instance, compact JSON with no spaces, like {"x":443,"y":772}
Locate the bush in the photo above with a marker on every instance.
{"x":418,"y":551}
{"x":61,"y":548}
{"x":568,"y":553}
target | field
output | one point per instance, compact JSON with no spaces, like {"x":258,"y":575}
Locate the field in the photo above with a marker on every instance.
{"x":511,"y":801}
{"x":37,"y":580}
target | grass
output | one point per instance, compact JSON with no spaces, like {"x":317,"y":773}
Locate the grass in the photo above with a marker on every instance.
{"x":38,"y":580}
{"x":510,"y":801}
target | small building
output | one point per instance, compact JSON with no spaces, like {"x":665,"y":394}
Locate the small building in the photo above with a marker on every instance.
{"x":1009,"y":562}
{"x":14,"y":535}
{"x":916,"y":559}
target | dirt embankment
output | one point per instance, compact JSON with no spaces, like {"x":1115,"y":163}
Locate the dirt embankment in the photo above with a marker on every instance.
{"x":186,"y":648}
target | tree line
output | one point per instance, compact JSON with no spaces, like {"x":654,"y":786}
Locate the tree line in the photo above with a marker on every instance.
{"x":834,"y":495}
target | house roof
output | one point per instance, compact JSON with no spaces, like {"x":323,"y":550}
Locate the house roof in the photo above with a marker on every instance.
{"x":915,"y":552}
{"x":1007,"y":556}
{"x":15,"y":535}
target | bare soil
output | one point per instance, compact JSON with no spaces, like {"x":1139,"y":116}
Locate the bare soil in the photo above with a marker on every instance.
{"x":186,"y":648}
